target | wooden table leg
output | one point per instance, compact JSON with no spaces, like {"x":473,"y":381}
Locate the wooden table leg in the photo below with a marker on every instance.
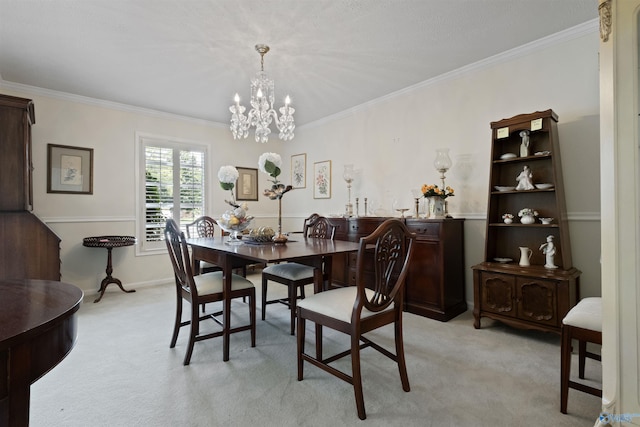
{"x":110,"y":279}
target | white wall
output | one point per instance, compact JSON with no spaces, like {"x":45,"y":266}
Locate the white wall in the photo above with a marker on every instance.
{"x":391,"y":142}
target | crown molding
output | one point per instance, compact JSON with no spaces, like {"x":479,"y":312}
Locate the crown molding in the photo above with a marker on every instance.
{"x":589,"y":27}
{"x":64,"y":96}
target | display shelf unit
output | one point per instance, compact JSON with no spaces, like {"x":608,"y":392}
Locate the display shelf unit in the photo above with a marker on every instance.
{"x":528,"y":297}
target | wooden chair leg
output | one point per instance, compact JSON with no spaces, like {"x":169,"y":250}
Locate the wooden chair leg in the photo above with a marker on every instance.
{"x":293,"y":296}
{"x":176,"y":325}
{"x":300,"y":340}
{"x":194,"y":330}
{"x":582,"y":353}
{"x":565,"y":367}
{"x":264,"y":297}
{"x":402,"y":366}
{"x":252,"y":316}
{"x":356,"y":375}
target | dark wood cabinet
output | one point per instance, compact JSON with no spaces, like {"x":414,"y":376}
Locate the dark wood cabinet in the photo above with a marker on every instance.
{"x":435,"y":283}
{"x":16,"y":117}
{"x":29,"y":249}
{"x":532,"y":297}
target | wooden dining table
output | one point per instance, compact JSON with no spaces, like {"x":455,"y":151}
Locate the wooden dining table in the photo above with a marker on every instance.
{"x":38,"y":328}
{"x":311,"y":251}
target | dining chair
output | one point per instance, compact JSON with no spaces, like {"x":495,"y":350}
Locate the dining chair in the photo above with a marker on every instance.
{"x":295,"y":275}
{"x":203,"y":226}
{"x":582,"y":323}
{"x":376,"y":300}
{"x":202,"y":289}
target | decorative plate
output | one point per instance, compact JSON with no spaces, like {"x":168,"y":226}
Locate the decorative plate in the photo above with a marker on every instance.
{"x":544,"y":186}
{"x":502,"y":188}
{"x":503,"y":260}
{"x":506,"y":156}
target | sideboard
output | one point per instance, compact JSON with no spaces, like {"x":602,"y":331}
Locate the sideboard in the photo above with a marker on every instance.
{"x":435,"y":283}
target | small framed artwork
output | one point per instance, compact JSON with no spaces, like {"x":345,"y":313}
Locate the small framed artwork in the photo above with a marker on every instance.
{"x":69,"y":169}
{"x":299,"y":171}
{"x":247,"y":185}
{"x":322,"y":180}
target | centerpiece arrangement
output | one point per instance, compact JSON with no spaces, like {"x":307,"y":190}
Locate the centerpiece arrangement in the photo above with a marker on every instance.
{"x":270,"y":164}
{"x":235,"y":220}
{"x":437,"y":199}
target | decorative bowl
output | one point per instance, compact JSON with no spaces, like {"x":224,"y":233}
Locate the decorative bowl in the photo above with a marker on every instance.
{"x":234,"y":229}
{"x":544,"y":186}
{"x":546,"y":220}
{"x":503,"y":188}
{"x":507,"y":156}
{"x":260,"y":235}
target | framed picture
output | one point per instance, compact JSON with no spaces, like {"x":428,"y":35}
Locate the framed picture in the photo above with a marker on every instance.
{"x":69,"y":169}
{"x":299,"y":171}
{"x":322,"y":180}
{"x":247,"y":185}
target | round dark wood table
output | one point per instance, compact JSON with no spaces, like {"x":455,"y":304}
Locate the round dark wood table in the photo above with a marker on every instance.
{"x":38,"y":328}
{"x":109,"y":242}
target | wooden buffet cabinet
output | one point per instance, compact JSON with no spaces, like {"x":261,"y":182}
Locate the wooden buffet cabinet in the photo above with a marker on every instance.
{"x":435,"y":283}
{"x":530,"y":297}
{"x":29,"y":249}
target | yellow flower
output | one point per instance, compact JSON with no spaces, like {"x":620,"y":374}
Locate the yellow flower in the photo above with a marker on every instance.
{"x":434,"y":191}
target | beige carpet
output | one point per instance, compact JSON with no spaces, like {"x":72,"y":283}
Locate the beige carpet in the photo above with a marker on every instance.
{"x":123,"y":373}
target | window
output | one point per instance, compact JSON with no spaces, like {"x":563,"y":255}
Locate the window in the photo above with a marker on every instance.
{"x":172,"y":184}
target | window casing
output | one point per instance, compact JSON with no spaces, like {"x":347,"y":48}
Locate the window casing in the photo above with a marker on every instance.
{"x":172,"y":183}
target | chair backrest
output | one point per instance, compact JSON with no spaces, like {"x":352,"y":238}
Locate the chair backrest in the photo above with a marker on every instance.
{"x":319,"y":227}
{"x":179,"y":254}
{"x":201,"y":227}
{"x":391,"y":245}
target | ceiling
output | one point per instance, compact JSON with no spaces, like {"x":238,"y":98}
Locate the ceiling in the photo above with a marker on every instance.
{"x":190,"y":57}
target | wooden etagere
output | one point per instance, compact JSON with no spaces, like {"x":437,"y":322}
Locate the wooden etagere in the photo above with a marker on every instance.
{"x":529,"y":297}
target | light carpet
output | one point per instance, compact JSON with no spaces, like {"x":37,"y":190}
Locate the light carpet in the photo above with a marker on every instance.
{"x":123,"y":373}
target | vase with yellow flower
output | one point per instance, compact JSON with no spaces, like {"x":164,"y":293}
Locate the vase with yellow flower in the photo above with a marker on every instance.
{"x":270,"y":164}
{"x":437,"y":200}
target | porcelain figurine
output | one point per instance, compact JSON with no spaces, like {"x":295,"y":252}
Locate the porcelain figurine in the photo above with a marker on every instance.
{"x":549,"y":249}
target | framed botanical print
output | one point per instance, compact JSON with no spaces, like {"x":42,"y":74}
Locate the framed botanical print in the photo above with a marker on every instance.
{"x":69,"y":169}
{"x":299,"y":170}
{"x":247,"y":185}
{"x":322,"y":180}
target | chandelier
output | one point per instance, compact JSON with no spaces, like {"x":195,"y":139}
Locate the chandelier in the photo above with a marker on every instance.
{"x":262,"y":113}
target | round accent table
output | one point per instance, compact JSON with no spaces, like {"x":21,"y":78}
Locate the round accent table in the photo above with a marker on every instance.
{"x":109,"y":242}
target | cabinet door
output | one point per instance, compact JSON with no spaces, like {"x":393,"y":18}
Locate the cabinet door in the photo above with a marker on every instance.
{"x":537,"y":300}
{"x":425,"y":275}
{"x":497,"y":294}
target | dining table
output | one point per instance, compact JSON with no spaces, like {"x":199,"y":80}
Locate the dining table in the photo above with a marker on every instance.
{"x":311,"y":251}
{"x":38,"y":328}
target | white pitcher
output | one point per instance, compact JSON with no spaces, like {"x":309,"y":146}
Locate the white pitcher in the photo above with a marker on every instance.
{"x":525,"y":256}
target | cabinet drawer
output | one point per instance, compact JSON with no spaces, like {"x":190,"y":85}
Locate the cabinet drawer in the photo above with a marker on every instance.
{"x":425,"y":230}
{"x":362,"y":228}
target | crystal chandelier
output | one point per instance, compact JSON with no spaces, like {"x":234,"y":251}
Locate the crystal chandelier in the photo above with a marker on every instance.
{"x":262,"y":113}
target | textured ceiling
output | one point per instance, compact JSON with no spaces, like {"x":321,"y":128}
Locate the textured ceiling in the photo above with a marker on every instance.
{"x":190,"y":57}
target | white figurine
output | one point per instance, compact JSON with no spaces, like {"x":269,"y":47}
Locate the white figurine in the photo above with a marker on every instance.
{"x":525,"y":180}
{"x":524,"y":146}
{"x":549,"y":249}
